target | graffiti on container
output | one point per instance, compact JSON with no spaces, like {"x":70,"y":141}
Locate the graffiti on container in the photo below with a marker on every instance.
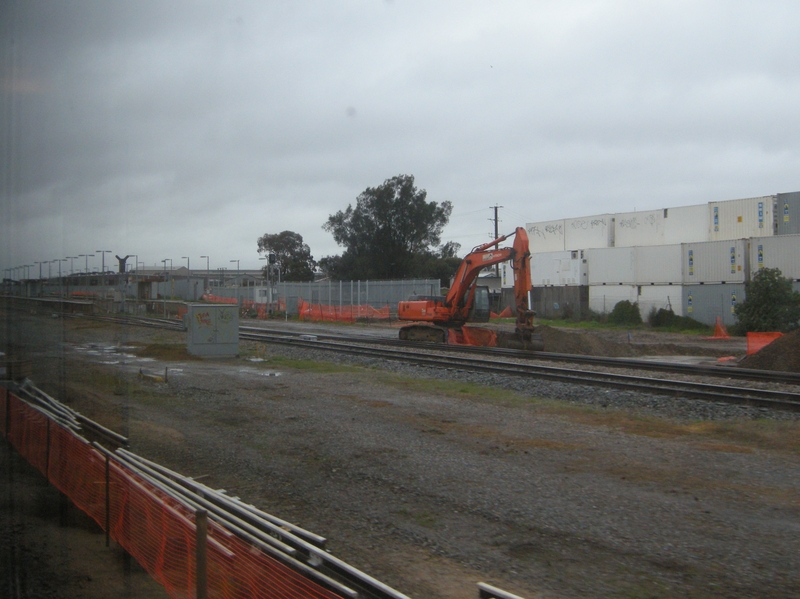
{"x":225,"y":315}
{"x":588,"y":224}
{"x":203,"y":319}
{"x":630,"y":223}
{"x":535,"y":231}
{"x":650,"y":219}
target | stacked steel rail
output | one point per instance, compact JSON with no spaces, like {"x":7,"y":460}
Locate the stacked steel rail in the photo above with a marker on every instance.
{"x":301,"y":550}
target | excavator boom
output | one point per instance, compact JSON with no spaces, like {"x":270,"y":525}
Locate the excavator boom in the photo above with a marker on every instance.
{"x":463,"y":303}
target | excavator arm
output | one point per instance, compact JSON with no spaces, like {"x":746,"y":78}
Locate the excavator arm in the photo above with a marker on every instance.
{"x":454,"y":309}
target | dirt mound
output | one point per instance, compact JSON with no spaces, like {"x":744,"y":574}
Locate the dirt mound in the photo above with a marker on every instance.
{"x":782,"y":354}
{"x":564,"y":342}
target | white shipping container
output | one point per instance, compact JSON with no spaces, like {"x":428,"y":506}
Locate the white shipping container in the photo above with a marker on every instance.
{"x":603,"y":298}
{"x":638,"y":228}
{"x":685,"y":224}
{"x":611,"y":266}
{"x":738,"y":219}
{"x":589,"y":232}
{"x":716,"y":262}
{"x":546,"y":236}
{"x":660,"y":297}
{"x":780,"y":251}
{"x":659,"y":264}
{"x":558,"y":268}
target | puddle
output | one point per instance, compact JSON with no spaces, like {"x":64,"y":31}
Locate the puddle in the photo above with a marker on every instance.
{"x":256,"y":359}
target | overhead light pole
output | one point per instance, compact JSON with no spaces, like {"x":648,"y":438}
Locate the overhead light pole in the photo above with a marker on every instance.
{"x":236,"y":280}
{"x":71,"y":265}
{"x":103,"y":254}
{"x":87,"y":261}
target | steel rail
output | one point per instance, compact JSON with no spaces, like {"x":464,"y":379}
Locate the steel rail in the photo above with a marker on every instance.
{"x":734,"y":372}
{"x":315,"y":560}
{"x":722,"y":393}
{"x":371,"y":347}
{"x":728,"y":372}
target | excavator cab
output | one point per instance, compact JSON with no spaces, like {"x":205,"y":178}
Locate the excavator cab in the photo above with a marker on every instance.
{"x":480,"y":310}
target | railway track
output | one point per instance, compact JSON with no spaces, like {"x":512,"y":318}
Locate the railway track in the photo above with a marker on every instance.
{"x":496,"y":362}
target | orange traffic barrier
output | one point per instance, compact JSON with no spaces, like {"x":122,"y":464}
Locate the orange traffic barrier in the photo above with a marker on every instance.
{"x":217,"y":299}
{"x":758,"y":341}
{"x":324,"y":313}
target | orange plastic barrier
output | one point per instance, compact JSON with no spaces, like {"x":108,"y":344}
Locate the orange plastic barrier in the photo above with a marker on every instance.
{"x":472,"y":336}
{"x":321,"y":312}
{"x":758,"y":341}
{"x":154,"y":528}
{"x":217,"y":299}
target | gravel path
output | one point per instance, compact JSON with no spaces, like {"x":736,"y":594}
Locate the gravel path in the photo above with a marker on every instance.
{"x":431,"y":484}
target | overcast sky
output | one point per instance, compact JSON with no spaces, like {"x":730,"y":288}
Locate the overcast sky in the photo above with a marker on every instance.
{"x":184,"y":128}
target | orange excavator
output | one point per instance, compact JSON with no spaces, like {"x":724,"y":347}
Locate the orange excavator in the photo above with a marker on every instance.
{"x":439,"y":318}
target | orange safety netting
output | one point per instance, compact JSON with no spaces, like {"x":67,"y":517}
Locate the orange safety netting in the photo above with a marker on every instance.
{"x":758,"y":341}
{"x":154,"y":528}
{"x":321,"y":312}
{"x":218,"y":299}
{"x":472,"y":336}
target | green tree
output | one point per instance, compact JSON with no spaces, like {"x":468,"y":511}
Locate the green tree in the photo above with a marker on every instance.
{"x":770,"y":304}
{"x":292,"y":256}
{"x":389,"y":234}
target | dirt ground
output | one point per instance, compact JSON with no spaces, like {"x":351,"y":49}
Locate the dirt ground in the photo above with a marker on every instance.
{"x":432,"y":486}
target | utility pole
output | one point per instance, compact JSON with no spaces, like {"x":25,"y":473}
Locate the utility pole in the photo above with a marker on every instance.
{"x":496,"y":235}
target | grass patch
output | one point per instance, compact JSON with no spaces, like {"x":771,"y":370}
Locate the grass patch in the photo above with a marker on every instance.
{"x":458,"y":389}
{"x":279,"y":362}
{"x":166,"y":352}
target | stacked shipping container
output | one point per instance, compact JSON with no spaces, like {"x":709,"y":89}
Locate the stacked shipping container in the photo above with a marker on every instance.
{"x":694,"y":259}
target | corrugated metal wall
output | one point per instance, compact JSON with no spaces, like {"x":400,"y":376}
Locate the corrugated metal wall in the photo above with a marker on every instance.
{"x":705,"y":303}
{"x":737,"y":219}
{"x":659,"y":264}
{"x":788,"y":213}
{"x":716,"y":262}
{"x":611,"y":266}
{"x":780,"y":251}
{"x":555,"y":268}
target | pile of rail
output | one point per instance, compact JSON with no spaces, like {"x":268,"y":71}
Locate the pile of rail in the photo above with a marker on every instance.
{"x":194,"y":540}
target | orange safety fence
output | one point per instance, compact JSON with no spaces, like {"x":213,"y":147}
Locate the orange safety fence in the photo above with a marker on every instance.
{"x":322,"y":312}
{"x":218,"y":299}
{"x":156,"y":529}
{"x":758,"y":341}
{"x":472,"y":336}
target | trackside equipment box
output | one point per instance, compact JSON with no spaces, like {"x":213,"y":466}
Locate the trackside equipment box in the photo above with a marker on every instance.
{"x":212,"y":330}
